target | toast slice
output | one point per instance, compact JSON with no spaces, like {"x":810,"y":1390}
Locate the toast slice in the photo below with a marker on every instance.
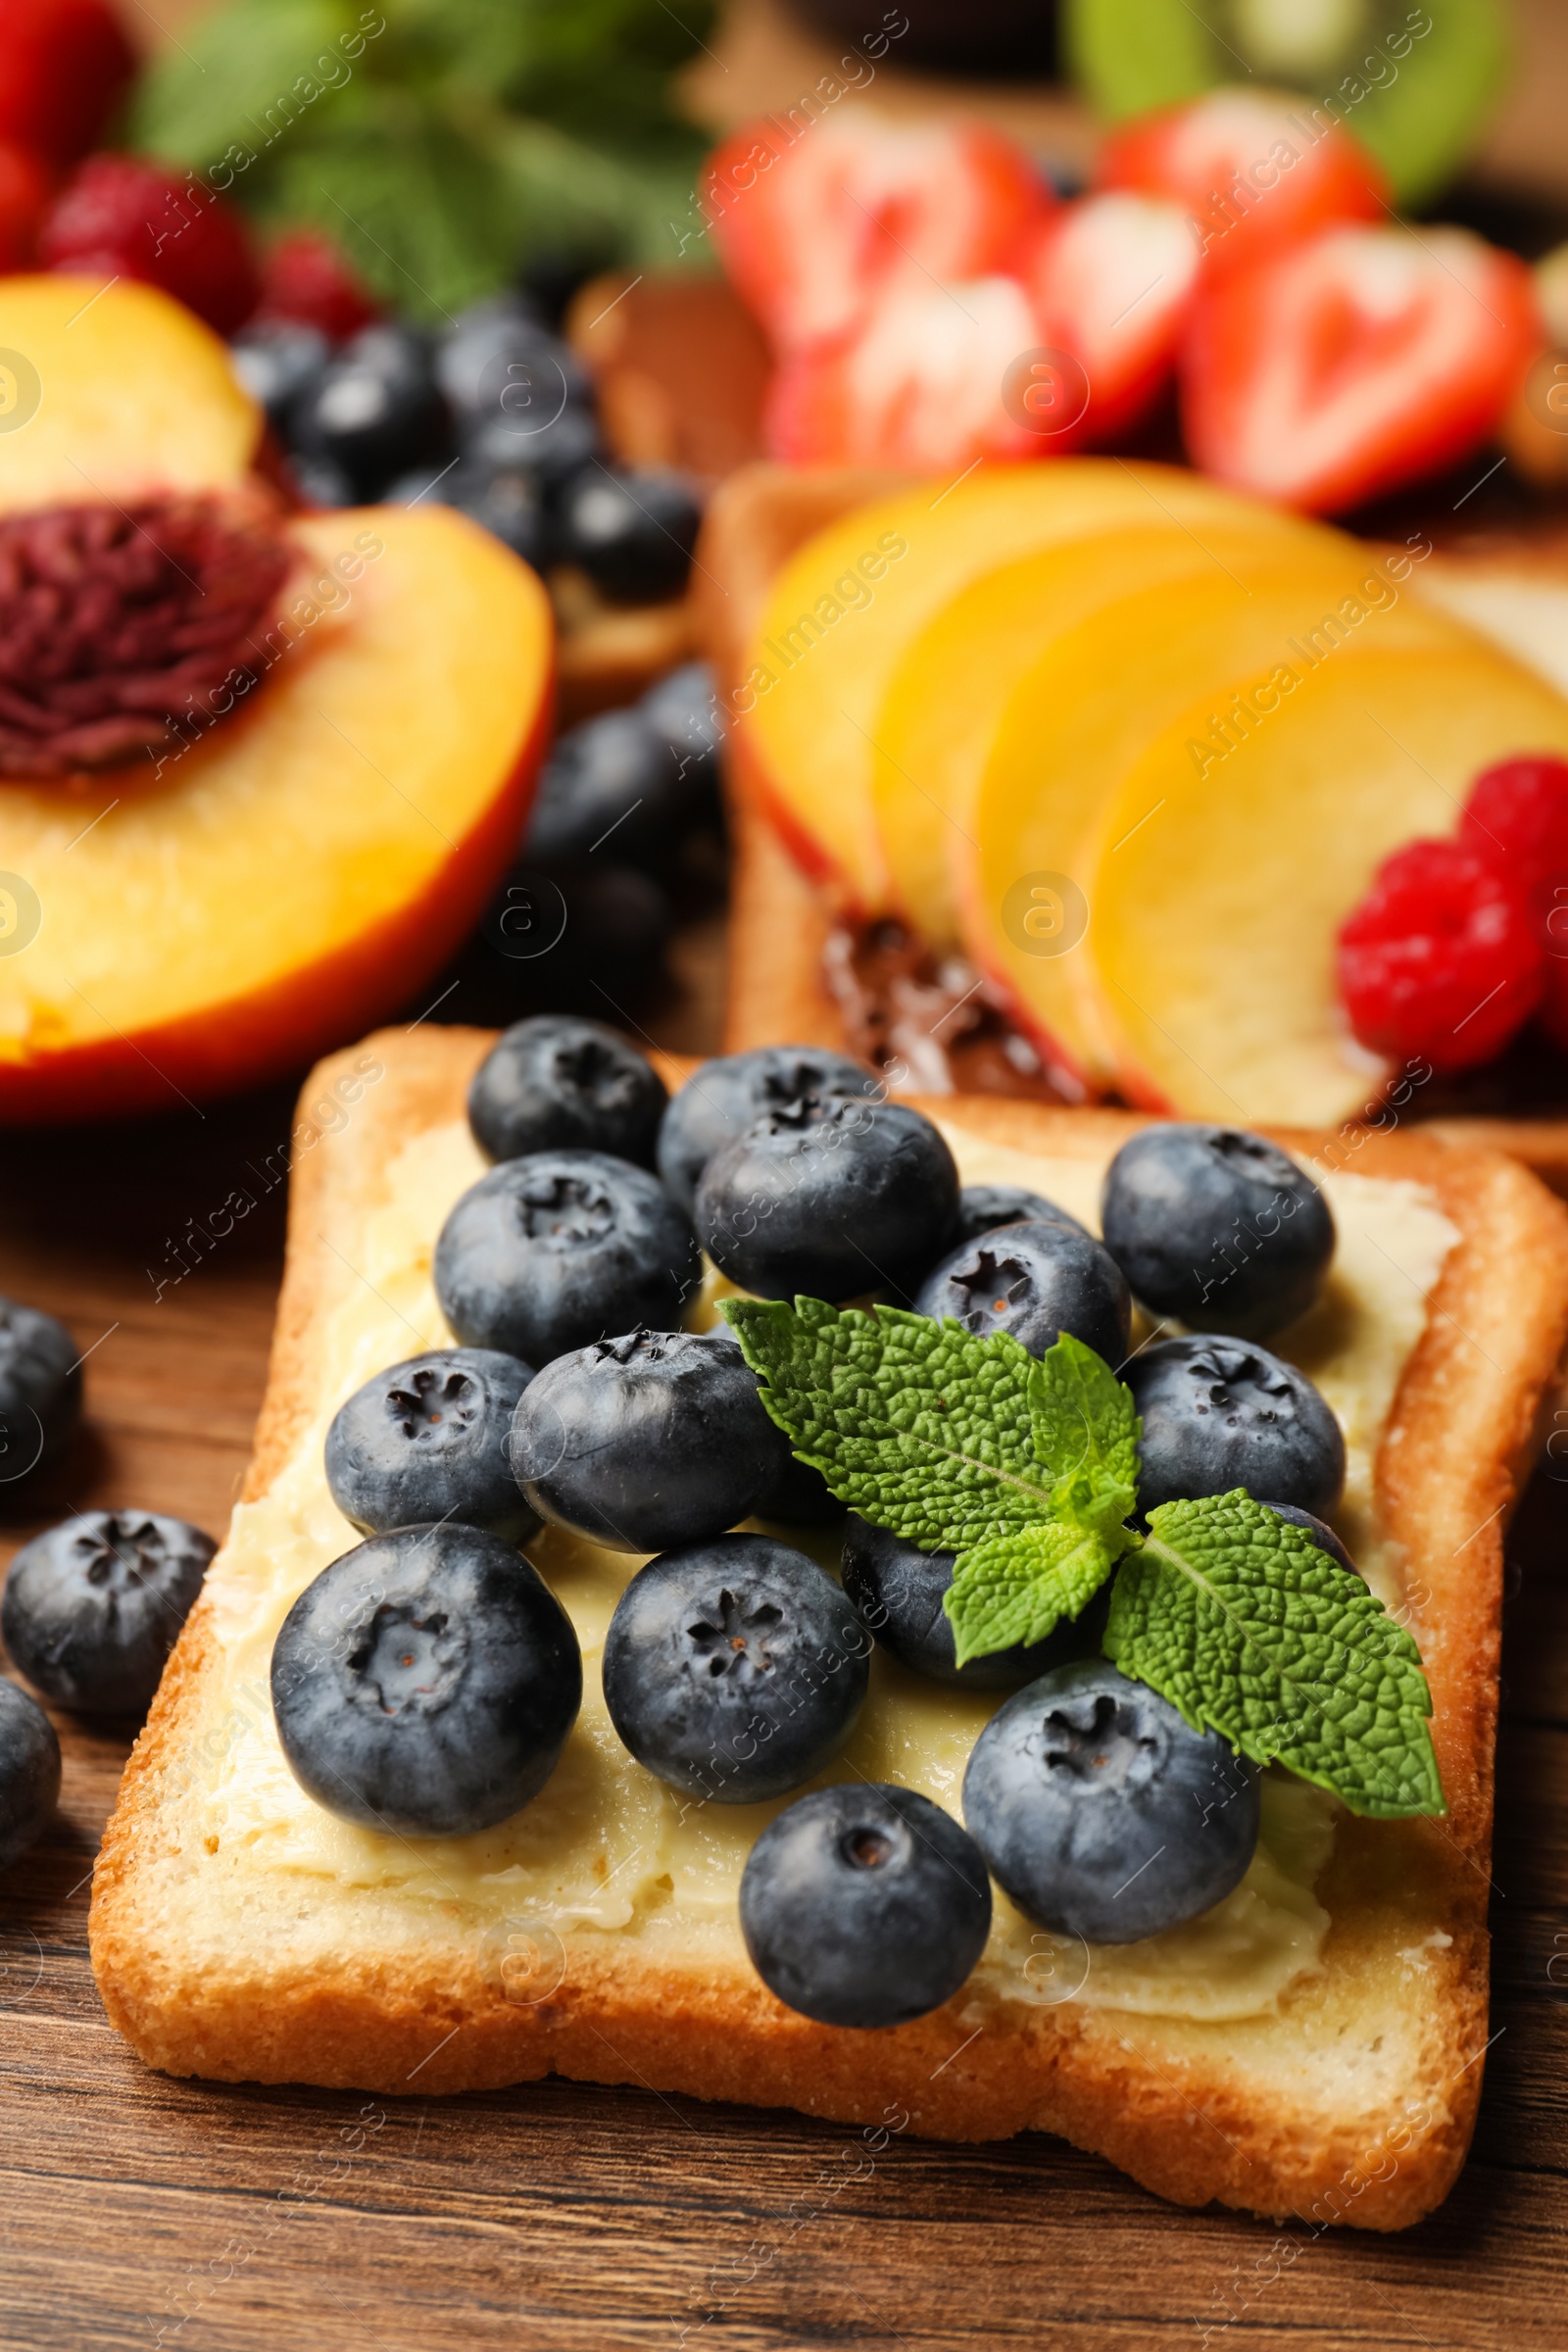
{"x":1328,"y":2055}
{"x":790,"y":969}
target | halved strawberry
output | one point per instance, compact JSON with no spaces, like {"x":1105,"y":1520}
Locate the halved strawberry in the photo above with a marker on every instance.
{"x":1253,"y":171}
{"x":812,"y":222}
{"x":1361,"y":360}
{"x":1112,"y":279}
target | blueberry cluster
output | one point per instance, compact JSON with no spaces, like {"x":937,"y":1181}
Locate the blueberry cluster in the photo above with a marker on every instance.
{"x":495,"y":418}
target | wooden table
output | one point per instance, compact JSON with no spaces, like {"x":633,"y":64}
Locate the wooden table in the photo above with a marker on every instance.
{"x":564,"y":2215}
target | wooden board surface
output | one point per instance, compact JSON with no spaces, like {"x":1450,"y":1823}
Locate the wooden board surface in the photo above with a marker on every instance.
{"x":138,"y":2210}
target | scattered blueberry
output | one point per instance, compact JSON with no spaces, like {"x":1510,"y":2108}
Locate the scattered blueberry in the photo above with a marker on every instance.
{"x":827,"y":1198}
{"x":645,"y":1443}
{"x":93,"y":1607}
{"x":609,"y":782}
{"x":897,"y":1591}
{"x":322,"y":483}
{"x":1319,"y":1530}
{"x":554,"y":453}
{"x":1102,"y":1813}
{"x":278,"y":361}
{"x":722,"y":1097}
{"x":30,"y":1772}
{"x":797,"y":1495}
{"x":40,"y":1388}
{"x":556,"y":1083}
{"x":734,"y":1668}
{"x":560,"y":1247}
{"x":1036,"y":1281}
{"x":682,"y":709}
{"x":631,"y":532}
{"x":504,"y":500}
{"x":1216,"y":1228}
{"x":424,"y":1684}
{"x":618,"y":923}
{"x":499,"y":362}
{"x":981,"y":1207}
{"x":374,"y":410}
{"x":428,"y":1440}
{"x":864,"y":1906}
{"x":1219,"y":1414}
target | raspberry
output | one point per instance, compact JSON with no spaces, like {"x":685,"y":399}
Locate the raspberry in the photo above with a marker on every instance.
{"x":121,"y":216}
{"x":63,"y":66}
{"x":1440,"y":960}
{"x":24,"y":194}
{"x":1517,"y":816}
{"x":306,"y":278}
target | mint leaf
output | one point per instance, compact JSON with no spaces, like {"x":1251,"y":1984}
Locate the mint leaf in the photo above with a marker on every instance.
{"x":1250,"y":1631}
{"x":1084,"y":1418}
{"x":1094,"y":1500}
{"x":917,"y":1425}
{"x":1016,"y":1586}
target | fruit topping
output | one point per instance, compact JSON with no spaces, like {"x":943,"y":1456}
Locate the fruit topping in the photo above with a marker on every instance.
{"x":682,"y":709}
{"x":306,"y":279}
{"x":24,"y":195}
{"x":504,"y":500}
{"x":897,"y":1591}
{"x":645,"y":1443}
{"x":430,"y":1438}
{"x":981,"y":1207}
{"x":424,"y":1684}
{"x":64,"y":66}
{"x":278,"y":360}
{"x":1218,"y":1414}
{"x":93,"y":1607}
{"x":631,"y":532}
{"x":832,"y":1197}
{"x":1102,"y":1813}
{"x":610,"y":780}
{"x":734,"y":1668}
{"x":864,"y":1906}
{"x":723,"y":1096}
{"x":30,"y":1772}
{"x":499,"y":364}
{"x":1036,"y":1281}
{"x":123,"y":217}
{"x":557,"y":1083}
{"x":558,"y":1248}
{"x":1216,"y":1228}
{"x":115,"y":622}
{"x":40,"y":1388}
{"x":1516,"y":815}
{"x":1112,"y":280}
{"x":1442,"y":960}
{"x":374,"y":410}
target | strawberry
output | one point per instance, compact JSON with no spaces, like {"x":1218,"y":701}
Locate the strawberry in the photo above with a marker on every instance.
{"x":121,"y":217}
{"x":24,"y":194}
{"x":64,"y":66}
{"x":1440,"y":962}
{"x":812,"y":226}
{"x":1253,"y":172}
{"x":1112,"y":280}
{"x":1358,"y":361}
{"x":306,"y":278}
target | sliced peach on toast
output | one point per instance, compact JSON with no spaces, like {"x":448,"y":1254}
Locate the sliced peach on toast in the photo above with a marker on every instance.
{"x":202,"y":921}
{"x":1231,"y":851}
{"x":844,"y":608}
{"x":1086,"y":712}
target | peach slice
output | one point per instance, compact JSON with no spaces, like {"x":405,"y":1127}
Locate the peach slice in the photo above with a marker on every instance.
{"x":114,"y":391}
{"x":299,"y":871}
{"x":1229,"y":856}
{"x":844,"y":610}
{"x":1092,"y":704}
{"x":946,"y":695}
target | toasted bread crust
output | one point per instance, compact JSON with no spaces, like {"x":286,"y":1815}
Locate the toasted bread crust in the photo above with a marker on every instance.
{"x":1354,"y":2103}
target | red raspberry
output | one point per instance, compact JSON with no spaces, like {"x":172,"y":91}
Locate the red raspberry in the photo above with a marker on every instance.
{"x":1517,"y":816}
{"x":1440,"y":960}
{"x":121,"y":216}
{"x":64,"y":66}
{"x":24,"y":194}
{"x":306,"y":278}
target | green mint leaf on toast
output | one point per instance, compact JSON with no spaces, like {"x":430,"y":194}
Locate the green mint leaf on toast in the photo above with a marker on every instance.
{"x":917,"y":1425}
{"x":1249,"y":1630}
{"x":1016,"y":1586}
{"x":1084,"y":1418}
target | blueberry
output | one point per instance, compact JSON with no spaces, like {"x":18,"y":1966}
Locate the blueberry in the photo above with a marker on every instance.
{"x":1319,"y":1530}
{"x":504,"y":500}
{"x":278,"y":360}
{"x":429,"y":1439}
{"x":722,"y":1096}
{"x":1036,"y":1281}
{"x":424,"y":1684}
{"x":797,"y":1495}
{"x":618,"y":924}
{"x":734,"y":1668}
{"x":897,"y":1591}
{"x":631,"y":532}
{"x":864,"y":1906}
{"x":556,"y":1083}
{"x":30,"y":1772}
{"x":1219,"y":1414}
{"x":41,"y":1389}
{"x":827,"y":1198}
{"x":1102,"y":1813}
{"x":553,"y":453}
{"x":322,"y":483}
{"x":93,"y":1607}
{"x":981,"y":1207}
{"x":499,"y":362}
{"x":682,"y":709}
{"x":560,"y":1247}
{"x":374,"y":410}
{"x":612,"y":780}
{"x":1216,"y":1228}
{"x":645,"y":1443}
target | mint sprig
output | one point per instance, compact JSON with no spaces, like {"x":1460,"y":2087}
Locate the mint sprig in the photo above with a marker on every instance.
{"x":1027,"y":1471}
